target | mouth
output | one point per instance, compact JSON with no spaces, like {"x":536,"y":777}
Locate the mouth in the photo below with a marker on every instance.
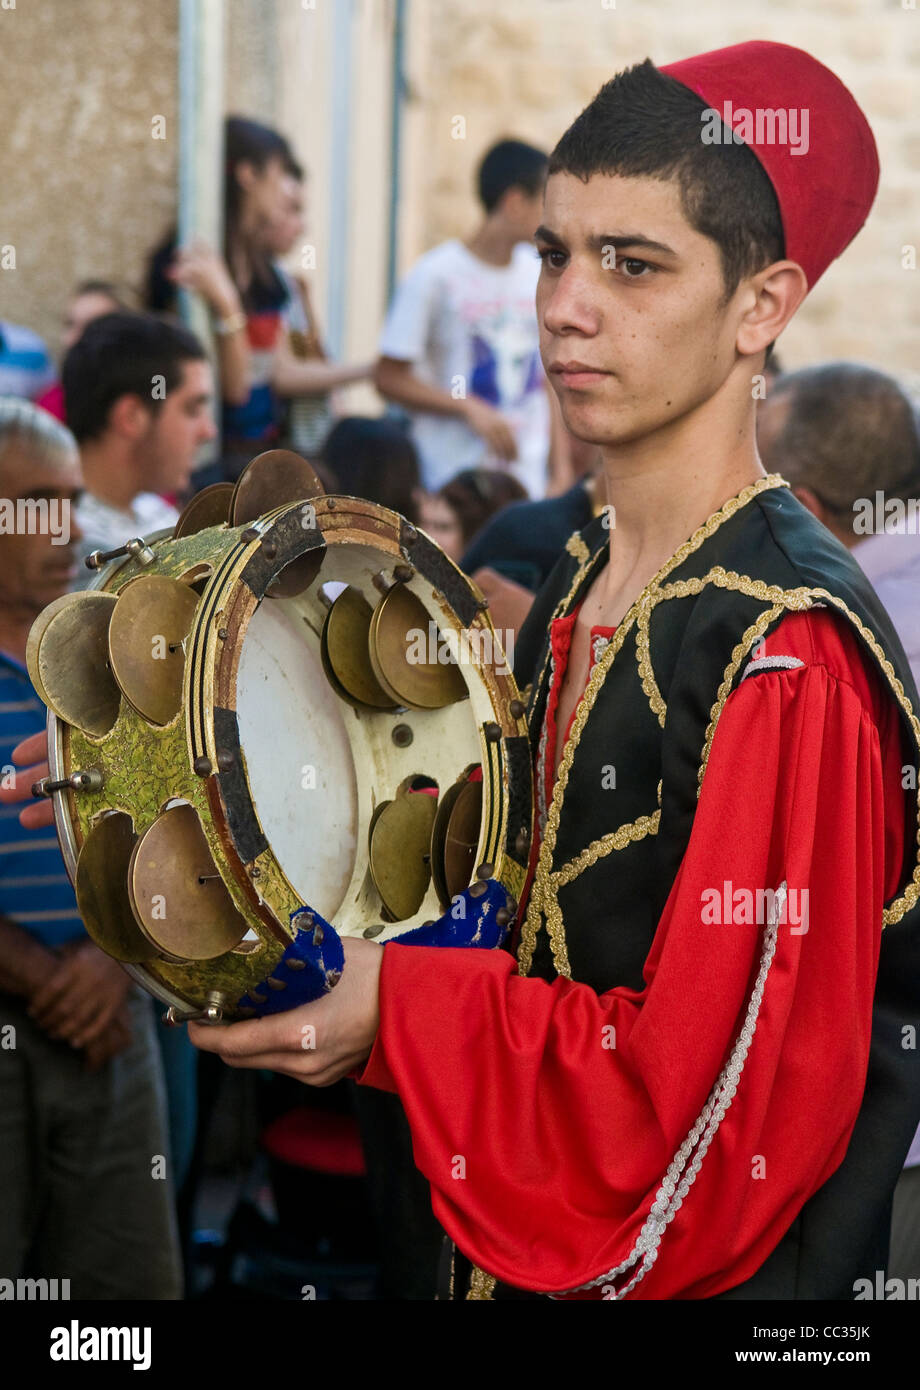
{"x":577,"y":374}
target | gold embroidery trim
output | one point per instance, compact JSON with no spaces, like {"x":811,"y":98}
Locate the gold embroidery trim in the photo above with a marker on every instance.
{"x":644,"y":659}
{"x":617,"y":839}
{"x":577,"y":546}
{"x":541,"y":891}
{"x":797,"y":600}
{"x":482,"y":1285}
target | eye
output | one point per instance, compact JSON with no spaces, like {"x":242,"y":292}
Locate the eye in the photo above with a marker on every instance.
{"x":629,"y":263}
{"x":546,"y":257}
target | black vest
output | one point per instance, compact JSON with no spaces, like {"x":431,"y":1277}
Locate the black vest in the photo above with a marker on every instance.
{"x":649,"y":716}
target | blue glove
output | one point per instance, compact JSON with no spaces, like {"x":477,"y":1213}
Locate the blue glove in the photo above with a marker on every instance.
{"x":313,"y":961}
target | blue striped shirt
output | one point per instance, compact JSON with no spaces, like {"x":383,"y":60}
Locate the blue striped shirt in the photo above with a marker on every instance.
{"x":34,"y":888}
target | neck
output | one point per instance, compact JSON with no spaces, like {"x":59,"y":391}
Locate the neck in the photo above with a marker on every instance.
{"x":492,"y":243}
{"x":16,"y":619}
{"x":108,"y":472}
{"x":664,"y":486}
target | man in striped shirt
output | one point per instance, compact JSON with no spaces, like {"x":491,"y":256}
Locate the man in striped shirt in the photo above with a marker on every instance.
{"x":82,"y":1117}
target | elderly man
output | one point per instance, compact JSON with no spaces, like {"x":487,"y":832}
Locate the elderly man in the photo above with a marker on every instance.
{"x":81,"y":1091}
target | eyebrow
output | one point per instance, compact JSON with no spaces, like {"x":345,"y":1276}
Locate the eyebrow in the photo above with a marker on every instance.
{"x":600,"y":242}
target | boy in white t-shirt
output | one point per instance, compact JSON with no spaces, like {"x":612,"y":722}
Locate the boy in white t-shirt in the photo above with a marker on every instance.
{"x":460,"y":347}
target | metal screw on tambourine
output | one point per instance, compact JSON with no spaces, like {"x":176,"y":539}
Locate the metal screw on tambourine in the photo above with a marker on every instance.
{"x":137,"y":548}
{"x":88,"y":781}
{"x":213,"y":1012}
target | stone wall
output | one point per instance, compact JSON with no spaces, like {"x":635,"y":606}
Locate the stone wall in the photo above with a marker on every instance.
{"x":85,"y":189}
{"x":527,"y":67}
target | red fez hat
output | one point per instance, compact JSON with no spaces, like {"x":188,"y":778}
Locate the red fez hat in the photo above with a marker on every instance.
{"x":806,"y":129}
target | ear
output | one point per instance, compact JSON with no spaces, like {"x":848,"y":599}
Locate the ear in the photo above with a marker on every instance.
{"x":813,"y":503}
{"x":245,"y":174}
{"x":773,"y":296}
{"x":129,"y":417}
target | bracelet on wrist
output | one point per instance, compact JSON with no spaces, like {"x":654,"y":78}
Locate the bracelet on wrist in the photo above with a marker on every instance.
{"x":231,"y":324}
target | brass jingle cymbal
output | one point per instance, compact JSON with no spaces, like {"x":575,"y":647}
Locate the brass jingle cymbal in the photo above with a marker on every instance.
{"x":400,"y":838}
{"x":438,"y":839}
{"x":399,"y":626}
{"x":102,"y":890}
{"x":209,"y":507}
{"x":36,"y":633}
{"x":270,"y":480}
{"x":152,"y":618}
{"x":67,"y":657}
{"x":180,"y":900}
{"x":344,"y":651}
{"x":462,"y":839}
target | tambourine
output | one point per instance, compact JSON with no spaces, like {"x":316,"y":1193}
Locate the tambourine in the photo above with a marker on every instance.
{"x":293,"y":698}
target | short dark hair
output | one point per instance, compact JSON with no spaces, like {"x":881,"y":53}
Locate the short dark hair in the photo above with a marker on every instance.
{"x":119,"y":355}
{"x":510,"y":164}
{"x":476,"y":494}
{"x":645,"y":123}
{"x":373,"y":457}
{"x":849,"y":431}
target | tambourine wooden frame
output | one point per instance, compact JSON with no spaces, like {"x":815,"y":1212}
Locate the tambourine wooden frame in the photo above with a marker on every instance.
{"x":139,"y":760}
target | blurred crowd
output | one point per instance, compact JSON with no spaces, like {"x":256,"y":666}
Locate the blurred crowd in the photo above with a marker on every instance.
{"x":472,"y":448}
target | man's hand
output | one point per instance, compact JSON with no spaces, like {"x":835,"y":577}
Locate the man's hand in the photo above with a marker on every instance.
{"x":81,"y":997}
{"x":316,"y":1043}
{"x":113,"y":1039}
{"x":37,"y":813}
{"x":491,"y":426}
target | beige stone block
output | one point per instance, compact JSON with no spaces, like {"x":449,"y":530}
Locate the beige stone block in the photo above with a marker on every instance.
{"x":892,"y":96}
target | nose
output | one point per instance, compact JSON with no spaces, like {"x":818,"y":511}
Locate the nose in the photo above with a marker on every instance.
{"x":208,"y":430}
{"x":569,"y":303}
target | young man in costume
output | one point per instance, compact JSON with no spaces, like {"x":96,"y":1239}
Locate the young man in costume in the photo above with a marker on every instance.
{"x":704,"y":1086}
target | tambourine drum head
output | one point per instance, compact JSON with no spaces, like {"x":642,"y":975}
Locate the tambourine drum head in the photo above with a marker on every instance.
{"x":298,"y":759}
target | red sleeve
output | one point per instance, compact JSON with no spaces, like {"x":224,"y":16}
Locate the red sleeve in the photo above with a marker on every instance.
{"x":547,"y":1138}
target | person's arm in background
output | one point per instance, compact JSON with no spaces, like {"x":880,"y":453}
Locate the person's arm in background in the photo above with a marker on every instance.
{"x":295,"y":376}
{"x":198,"y":267}
{"x":95,"y":1016}
{"x":24,"y":962}
{"x":95,"y":1019}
